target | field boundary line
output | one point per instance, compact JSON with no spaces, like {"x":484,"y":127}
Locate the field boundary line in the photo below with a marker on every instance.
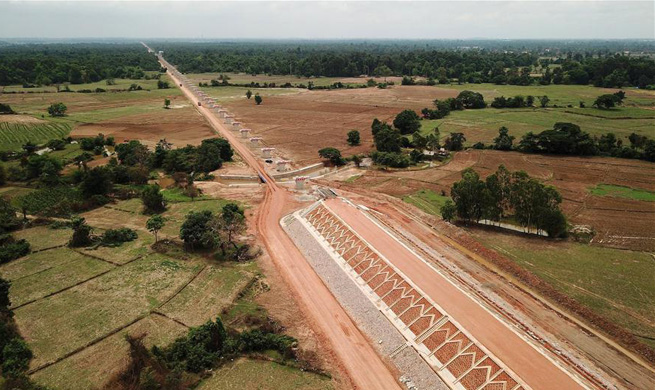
{"x":62,"y":290}
{"x":156,"y":312}
{"x":87,"y":345}
{"x":179,"y":290}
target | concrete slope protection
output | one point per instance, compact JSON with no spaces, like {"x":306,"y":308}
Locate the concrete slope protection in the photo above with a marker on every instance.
{"x":530,"y":365}
{"x":363,"y":364}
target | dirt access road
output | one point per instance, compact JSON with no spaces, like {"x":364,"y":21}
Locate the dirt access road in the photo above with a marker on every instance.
{"x":363,"y":364}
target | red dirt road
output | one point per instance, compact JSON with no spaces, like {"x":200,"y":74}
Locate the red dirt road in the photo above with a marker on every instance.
{"x":363,"y":364}
{"x":528,"y":363}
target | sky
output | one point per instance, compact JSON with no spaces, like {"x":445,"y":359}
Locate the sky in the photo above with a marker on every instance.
{"x":329,"y":19}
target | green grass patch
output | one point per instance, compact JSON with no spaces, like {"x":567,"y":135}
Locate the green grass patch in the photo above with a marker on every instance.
{"x":14,"y":135}
{"x":77,"y":268}
{"x":247,"y":374}
{"x":207,"y":295}
{"x":352,"y":178}
{"x":617,"y":284}
{"x":42,"y":237}
{"x":95,"y":308}
{"x":427,"y":200}
{"x":623,"y":192}
{"x":125,"y":252}
{"x":177,"y":195}
{"x":94,"y":365}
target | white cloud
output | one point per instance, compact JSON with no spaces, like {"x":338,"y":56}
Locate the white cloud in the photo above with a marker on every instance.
{"x":320,"y":20}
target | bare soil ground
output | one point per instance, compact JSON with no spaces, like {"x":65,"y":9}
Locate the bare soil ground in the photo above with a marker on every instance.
{"x":301,"y":124}
{"x":180,"y":126}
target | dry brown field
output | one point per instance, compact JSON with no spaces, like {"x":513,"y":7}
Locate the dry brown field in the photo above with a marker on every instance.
{"x":301,"y":124}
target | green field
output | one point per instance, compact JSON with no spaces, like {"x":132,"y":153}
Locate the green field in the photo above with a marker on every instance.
{"x":427,"y":200}
{"x":247,"y":374}
{"x":244,"y":78}
{"x":623,"y":192}
{"x":213,"y":290}
{"x":14,"y":135}
{"x":617,"y":284}
{"x":637,"y":115}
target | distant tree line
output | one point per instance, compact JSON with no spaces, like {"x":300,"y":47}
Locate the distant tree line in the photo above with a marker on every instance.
{"x":46,"y":64}
{"x":440,"y":62}
{"x":503,"y":194}
{"x":568,"y":139}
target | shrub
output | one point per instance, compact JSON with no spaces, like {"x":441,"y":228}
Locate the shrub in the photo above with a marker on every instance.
{"x":153,"y":200}
{"x":12,"y":250}
{"x":353,"y":138}
{"x":16,"y":356}
{"x":333,"y":155}
{"x":81,"y":233}
{"x":118,"y":236}
{"x":391,"y":159}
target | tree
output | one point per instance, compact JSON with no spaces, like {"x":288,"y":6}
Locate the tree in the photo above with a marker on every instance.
{"x":229,"y":224}
{"x":455,"y":141}
{"x":407,"y":121}
{"x":466,"y":194}
{"x":154,"y":224}
{"x":8,"y":219}
{"x":81,"y":233}
{"x":167,"y":103}
{"x":504,"y":140}
{"x":196,"y":231}
{"x":248,"y":94}
{"x":471,"y":100}
{"x":543,"y":101}
{"x":609,"y":100}
{"x":333,"y":155}
{"x":57,"y":109}
{"x":3,"y":174}
{"x":162,"y":84}
{"x":208,"y":157}
{"x":448,"y":211}
{"x":258,"y":99}
{"x":356,"y":159}
{"x":153,"y":200}
{"x":383,"y":71}
{"x":353,"y":138}
{"x":97,"y":181}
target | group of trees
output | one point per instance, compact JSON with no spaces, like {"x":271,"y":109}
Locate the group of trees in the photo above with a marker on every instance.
{"x":504,"y":194}
{"x":47,"y":64}
{"x":209,"y":156}
{"x":474,"y":62}
{"x":205,"y":230}
{"x":568,"y":138}
{"x":465,"y":100}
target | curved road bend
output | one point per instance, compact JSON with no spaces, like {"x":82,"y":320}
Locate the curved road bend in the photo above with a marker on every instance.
{"x":363,"y":364}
